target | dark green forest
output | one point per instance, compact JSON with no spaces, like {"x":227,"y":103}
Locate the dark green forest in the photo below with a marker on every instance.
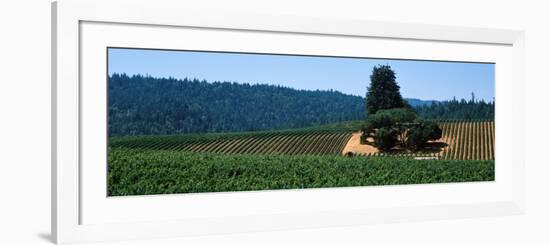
{"x":457,"y":109}
{"x":143,"y":105}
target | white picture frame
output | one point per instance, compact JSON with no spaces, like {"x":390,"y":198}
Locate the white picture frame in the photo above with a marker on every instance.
{"x":70,"y":198}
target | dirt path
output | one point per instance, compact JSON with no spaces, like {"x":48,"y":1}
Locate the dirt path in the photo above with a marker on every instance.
{"x":354,"y":146}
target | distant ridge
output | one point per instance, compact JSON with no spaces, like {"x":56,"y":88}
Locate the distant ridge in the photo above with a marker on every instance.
{"x":418,"y":102}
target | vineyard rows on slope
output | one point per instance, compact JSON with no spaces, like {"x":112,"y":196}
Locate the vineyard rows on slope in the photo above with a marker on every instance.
{"x":322,"y":142}
{"x":468,"y":140}
{"x":464,"y":140}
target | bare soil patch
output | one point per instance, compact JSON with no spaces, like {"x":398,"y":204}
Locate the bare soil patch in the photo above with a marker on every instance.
{"x":355,"y":147}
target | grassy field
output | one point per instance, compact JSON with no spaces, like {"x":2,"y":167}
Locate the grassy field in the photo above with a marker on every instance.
{"x":143,"y":172}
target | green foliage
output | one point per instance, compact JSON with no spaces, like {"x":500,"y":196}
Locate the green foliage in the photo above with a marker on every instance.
{"x":457,"y":110}
{"x":364,"y":139}
{"x":416,"y":138}
{"x":432,"y":130}
{"x":383,"y":91}
{"x":385,"y":138}
{"x":389,"y":127}
{"x":390,"y":118}
{"x":421,"y":133}
{"x":141,"y":105}
{"x":399,"y":127}
{"x":145,"y":172}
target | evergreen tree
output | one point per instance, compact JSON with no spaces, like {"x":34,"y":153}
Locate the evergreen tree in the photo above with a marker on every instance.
{"x":383,"y":91}
{"x":391,"y":120}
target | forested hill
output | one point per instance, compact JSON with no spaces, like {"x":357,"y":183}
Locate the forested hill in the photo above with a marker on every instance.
{"x":140,"y":105}
{"x":457,"y":109}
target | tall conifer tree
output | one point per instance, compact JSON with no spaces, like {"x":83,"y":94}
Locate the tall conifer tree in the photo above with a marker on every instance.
{"x":383,"y":91}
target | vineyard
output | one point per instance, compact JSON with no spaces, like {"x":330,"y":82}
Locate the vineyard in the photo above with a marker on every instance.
{"x":468,"y":140}
{"x":290,"y":159}
{"x":145,"y":172}
{"x":287,"y":143}
{"x":461,"y":140}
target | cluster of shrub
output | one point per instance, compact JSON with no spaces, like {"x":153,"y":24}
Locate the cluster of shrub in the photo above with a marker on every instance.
{"x":399,"y":127}
{"x":391,"y":121}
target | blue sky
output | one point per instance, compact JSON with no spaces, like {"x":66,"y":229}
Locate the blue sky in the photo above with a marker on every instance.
{"x":418,"y":79}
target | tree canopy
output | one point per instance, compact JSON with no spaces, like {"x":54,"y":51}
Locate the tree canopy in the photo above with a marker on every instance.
{"x":458,"y":110}
{"x":383,"y":91}
{"x":141,"y":105}
{"x":391,"y":121}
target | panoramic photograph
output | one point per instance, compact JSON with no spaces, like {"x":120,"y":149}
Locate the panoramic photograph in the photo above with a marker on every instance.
{"x":205,"y":121}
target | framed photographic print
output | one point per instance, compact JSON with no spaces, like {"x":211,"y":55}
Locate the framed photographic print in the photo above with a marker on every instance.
{"x":176,"y":126}
{"x":206,"y":123}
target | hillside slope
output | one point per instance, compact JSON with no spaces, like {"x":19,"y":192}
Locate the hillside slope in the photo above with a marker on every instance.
{"x":140,"y":105}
